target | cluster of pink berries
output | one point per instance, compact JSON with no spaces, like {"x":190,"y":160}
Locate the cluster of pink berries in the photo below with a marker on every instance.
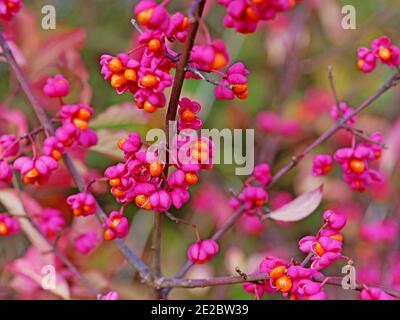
{"x":382,"y":49}
{"x":116,"y":226}
{"x":244,"y":15}
{"x":327,"y":244}
{"x":51,"y":222}
{"x":296,"y":280}
{"x":143,"y":177}
{"x":82,"y":204}
{"x":354,"y":160}
{"x":9,"y":8}
{"x":234,"y":83}
{"x":73,"y":131}
{"x":145,"y":71}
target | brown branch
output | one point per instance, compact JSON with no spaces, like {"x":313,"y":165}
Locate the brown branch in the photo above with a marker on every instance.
{"x":196,"y":11}
{"x":211,"y":282}
{"x":156,"y":250}
{"x":205,"y":77}
{"x":131,"y":258}
{"x":157,"y":242}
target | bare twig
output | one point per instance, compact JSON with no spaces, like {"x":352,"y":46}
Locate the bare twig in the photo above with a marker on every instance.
{"x":210,"y":282}
{"x":205,"y":77}
{"x":178,"y":220}
{"x":332,"y":85}
{"x":307,"y":259}
{"x":156,"y":249}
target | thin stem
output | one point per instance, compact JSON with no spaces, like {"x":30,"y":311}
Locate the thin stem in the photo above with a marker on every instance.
{"x":332,"y":85}
{"x":311,"y":253}
{"x":156,"y":249}
{"x":210,"y":282}
{"x":202,"y":76}
{"x":177,"y":220}
{"x":136,"y":26}
{"x":33,"y":146}
{"x":360,"y":134}
{"x":205,"y":30}
{"x":307,"y":258}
